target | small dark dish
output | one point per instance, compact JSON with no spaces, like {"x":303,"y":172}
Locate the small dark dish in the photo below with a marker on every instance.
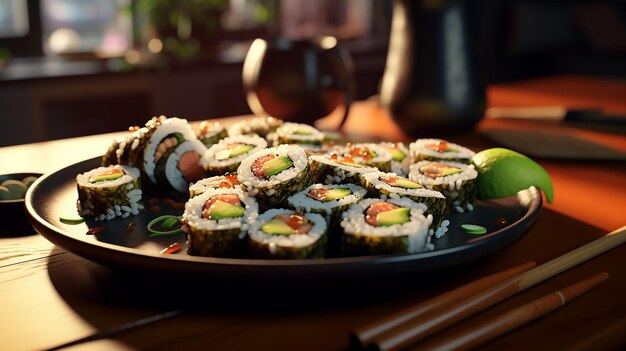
{"x":12,"y":212}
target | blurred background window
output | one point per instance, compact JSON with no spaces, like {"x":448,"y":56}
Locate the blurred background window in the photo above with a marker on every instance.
{"x":13,"y":18}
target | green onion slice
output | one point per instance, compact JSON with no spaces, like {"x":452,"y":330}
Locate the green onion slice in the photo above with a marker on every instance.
{"x":166,"y":221}
{"x":473,"y":229}
{"x":71,"y":220}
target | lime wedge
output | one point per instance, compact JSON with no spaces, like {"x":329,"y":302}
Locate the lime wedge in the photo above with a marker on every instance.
{"x":503,"y":172}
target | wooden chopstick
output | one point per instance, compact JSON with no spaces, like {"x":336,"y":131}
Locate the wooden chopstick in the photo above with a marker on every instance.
{"x":414,"y":329}
{"x":362,"y":336}
{"x":488,"y":330}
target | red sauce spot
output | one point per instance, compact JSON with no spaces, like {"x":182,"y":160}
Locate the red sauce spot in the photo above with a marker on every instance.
{"x":257,"y":166}
{"x":173,"y":204}
{"x":362,"y":152}
{"x":174,"y":248}
{"x":95,"y":230}
{"x":153,"y":200}
{"x":440,"y":146}
{"x":318,"y":194}
{"x":232,"y":178}
{"x":374,"y":209}
{"x":130,"y":227}
{"x":501,"y":221}
{"x":155,"y":208}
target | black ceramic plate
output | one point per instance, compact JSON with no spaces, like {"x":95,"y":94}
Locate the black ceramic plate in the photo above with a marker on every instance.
{"x":54,"y":195}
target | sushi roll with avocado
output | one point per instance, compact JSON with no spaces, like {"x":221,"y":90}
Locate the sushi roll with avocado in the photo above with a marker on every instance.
{"x":308,"y":137}
{"x":372,"y":155}
{"x":390,"y":185}
{"x":329,"y":201}
{"x":400,"y":159}
{"x":335,"y":169}
{"x":272,"y":175}
{"x":261,"y":126}
{"x":438,"y":149}
{"x":457,"y":181}
{"x":211,"y":132}
{"x":216,"y":222}
{"x":108,"y":192}
{"x":163,"y":136}
{"x":228,"y":180}
{"x":392,"y":226}
{"x":287,"y":234}
{"x":180,"y":165}
{"x":226,"y":155}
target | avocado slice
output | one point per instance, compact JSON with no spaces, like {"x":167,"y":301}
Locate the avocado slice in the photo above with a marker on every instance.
{"x":396,"y":216}
{"x":277,"y":227}
{"x":397,"y":155}
{"x":402,"y":183}
{"x":221,"y":209}
{"x":240,"y":150}
{"x":352,"y":164}
{"x":336,"y":194}
{"x":302,"y":132}
{"x":276,"y":165}
{"x":451,"y":171}
{"x":107,"y":176}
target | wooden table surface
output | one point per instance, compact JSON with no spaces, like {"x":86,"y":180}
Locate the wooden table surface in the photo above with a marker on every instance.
{"x":49,"y":296}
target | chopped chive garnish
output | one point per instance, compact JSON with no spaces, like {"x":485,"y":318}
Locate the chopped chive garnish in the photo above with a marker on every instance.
{"x":473,"y":229}
{"x":71,"y":220}
{"x":166,"y":221}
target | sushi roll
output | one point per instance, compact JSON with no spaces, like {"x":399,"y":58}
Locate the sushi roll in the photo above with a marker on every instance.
{"x":372,"y":155}
{"x":226,"y":155}
{"x":275,"y":173}
{"x":180,"y":166}
{"x":334,"y":169}
{"x":390,"y":185}
{"x":216,"y":222}
{"x":261,"y":126}
{"x":108,"y":192}
{"x":211,"y":132}
{"x":302,"y":134}
{"x":287,"y":234}
{"x":163,"y":136}
{"x":438,"y":149}
{"x":457,"y":181}
{"x":228,"y":180}
{"x":127,"y":150}
{"x":392,"y":226}
{"x":400,"y":159}
{"x":328,"y":200}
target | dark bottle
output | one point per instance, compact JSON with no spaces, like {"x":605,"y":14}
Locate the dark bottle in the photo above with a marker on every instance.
{"x":431,"y":85}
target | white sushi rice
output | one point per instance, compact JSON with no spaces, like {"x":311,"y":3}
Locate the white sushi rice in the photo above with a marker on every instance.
{"x":128,"y":206}
{"x":167,"y":127}
{"x":297,"y":155}
{"x":451,"y":182}
{"x":418,"y":147}
{"x":214,"y":157}
{"x":173,"y":174}
{"x":294,"y":240}
{"x":416,"y":229}
{"x":374,"y":179}
{"x":301,"y":201}
{"x":194,"y":207}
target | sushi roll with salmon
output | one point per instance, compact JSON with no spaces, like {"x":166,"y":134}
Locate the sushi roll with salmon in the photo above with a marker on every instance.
{"x":372,"y":155}
{"x":379,"y":227}
{"x":180,"y":166}
{"x":228,"y":180}
{"x":272,"y":175}
{"x":287,"y":234}
{"x":335,"y":169}
{"x":211,"y":132}
{"x":438,"y":149}
{"x":216,"y":222}
{"x":105,"y":193}
{"x":390,"y":185}
{"x":329,"y":201}
{"x":225,"y":156}
{"x":457,"y":181}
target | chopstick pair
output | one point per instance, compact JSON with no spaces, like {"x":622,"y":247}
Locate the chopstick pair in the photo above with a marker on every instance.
{"x":416,"y":323}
